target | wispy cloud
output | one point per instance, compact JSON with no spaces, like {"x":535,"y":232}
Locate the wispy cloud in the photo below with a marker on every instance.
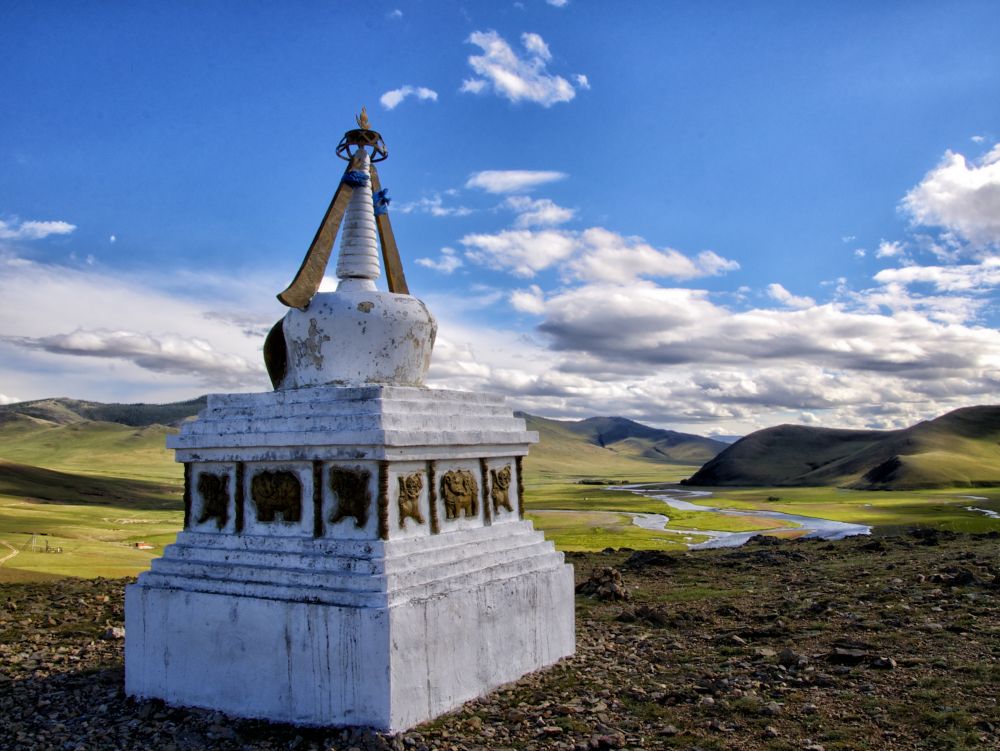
{"x":391,"y":99}
{"x":160,"y":353}
{"x":515,"y":77}
{"x":32,"y":230}
{"x":433,"y":205}
{"x":511,"y":181}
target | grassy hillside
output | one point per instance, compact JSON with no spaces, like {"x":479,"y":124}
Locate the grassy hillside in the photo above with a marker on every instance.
{"x":613,"y":447}
{"x":63,"y":411}
{"x":959,"y":449}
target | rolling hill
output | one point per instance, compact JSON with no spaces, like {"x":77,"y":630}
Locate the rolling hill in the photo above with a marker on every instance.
{"x":959,"y":449}
{"x":614,"y":445}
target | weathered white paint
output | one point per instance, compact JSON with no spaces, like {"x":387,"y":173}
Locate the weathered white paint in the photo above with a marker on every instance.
{"x":358,"y":334}
{"x":384,"y":634}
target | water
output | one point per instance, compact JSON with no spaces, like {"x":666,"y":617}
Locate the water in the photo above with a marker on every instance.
{"x":824,"y":529}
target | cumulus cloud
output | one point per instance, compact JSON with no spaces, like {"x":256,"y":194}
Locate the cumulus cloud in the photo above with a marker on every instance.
{"x":511,"y":180}
{"x":4,"y":399}
{"x":515,"y":77}
{"x":786,"y":298}
{"x":960,"y":196}
{"x":538,"y":213}
{"x":33,"y":230}
{"x":391,"y":99}
{"x":446,"y":263}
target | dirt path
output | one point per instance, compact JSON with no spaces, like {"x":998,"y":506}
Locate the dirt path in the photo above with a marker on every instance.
{"x":13,"y":551}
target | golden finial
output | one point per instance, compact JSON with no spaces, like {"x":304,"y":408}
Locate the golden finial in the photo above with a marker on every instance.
{"x":362,"y":120}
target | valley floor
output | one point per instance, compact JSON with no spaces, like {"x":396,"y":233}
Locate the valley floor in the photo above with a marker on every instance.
{"x":884,"y":643}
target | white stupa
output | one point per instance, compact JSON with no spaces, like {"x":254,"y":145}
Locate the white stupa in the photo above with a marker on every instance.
{"x":354,"y":550}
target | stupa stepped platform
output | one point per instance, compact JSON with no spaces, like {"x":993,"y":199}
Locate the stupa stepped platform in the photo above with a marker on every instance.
{"x":338,"y":573}
{"x":368,"y":421}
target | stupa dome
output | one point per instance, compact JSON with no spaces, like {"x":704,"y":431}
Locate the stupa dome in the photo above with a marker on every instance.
{"x":358,"y":335}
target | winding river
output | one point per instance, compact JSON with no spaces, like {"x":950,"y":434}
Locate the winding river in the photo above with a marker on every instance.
{"x":678,"y":498}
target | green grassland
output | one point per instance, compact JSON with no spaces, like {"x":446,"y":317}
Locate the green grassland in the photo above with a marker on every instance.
{"x":94,"y":488}
{"x":885,"y":510}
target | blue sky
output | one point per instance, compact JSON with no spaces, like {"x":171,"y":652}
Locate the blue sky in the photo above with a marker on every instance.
{"x":707,"y":216}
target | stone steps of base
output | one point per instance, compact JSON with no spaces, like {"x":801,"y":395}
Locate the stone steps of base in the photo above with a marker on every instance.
{"x":362,"y":394}
{"x":387,"y":438}
{"x":354,"y":548}
{"x":352,"y":423}
{"x":309,"y":559}
{"x":288,"y":573}
{"x":343,"y":408}
{"x":331,"y":595}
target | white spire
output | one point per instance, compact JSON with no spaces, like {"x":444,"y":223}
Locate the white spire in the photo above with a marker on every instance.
{"x":358,"y":264}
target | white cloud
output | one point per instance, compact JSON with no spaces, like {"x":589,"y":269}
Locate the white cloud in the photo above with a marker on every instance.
{"x":558,"y":3}
{"x":113,"y":239}
{"x":166,"y":353}
{"x":960,"y":196}
{"x":511,"y":180}
{"x":394,"y":14}
{"x":982,"y":277}
{"x":534,"y":44}
{"x":860,"y":252}
{"x":4,"y":399}
{"x":978,"y":139}
{"x":888,"y":249}
{"x":582,"y":81}
{"x":530,"y":300}
{"x":391,"y":99}
{"x":522,"y":252}
{"x":32,"y":230}
{"x":786,"y":298}
{"x":123,"y":335}
{"x":446,"y":264}
{"x":513,"y":77}
{"x":538,"y":213}
{"x":598,"y":255}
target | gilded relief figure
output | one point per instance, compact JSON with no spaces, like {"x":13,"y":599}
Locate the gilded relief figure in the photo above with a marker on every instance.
{"x":500,"y":489}
{"x":409,"y":498}
{"x":460,"y":492}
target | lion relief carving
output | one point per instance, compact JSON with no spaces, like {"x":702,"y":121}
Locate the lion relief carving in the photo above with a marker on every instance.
{"x":409,"y":498}
{"x":500,"y":489}
{"x":460,"y":491}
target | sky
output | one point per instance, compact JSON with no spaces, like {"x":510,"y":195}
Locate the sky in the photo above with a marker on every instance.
{"x":712,"y":217}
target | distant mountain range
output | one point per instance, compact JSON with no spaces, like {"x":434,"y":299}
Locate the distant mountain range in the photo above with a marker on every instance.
{"x":63,"y":411}
{"x":959,"y":449}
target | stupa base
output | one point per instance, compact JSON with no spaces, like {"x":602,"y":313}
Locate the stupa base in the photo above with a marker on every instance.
{"x":333,"y":657}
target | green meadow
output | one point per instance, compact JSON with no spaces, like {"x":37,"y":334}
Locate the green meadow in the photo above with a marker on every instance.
{"x":93,"y":489}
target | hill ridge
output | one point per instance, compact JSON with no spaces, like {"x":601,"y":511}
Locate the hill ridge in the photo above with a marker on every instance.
{"x":958,"y":449}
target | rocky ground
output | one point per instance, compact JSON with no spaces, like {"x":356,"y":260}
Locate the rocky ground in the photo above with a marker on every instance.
{"x":885,"y":643}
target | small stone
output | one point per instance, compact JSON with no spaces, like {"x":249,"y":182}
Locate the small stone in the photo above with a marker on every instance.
{"x":771,"y":732}
{"x":883,"y":663}
{"x":114,"y":633}
{"x":791,"y":659}
{"x":771,"y":709}
{"x":809,"y":708}
{"x":707,"y":701}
